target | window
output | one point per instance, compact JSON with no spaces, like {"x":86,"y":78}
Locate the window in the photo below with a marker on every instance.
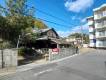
{"x":104,"y":13}
{"x":102,"y":33}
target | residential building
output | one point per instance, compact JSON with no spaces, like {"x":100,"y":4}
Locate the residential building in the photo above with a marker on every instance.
{"x":97,"y":27}
{"x":49,"y":38}
{"x":100,"y":26}
{"x":76,"y":41}
{"x":92,"y":40}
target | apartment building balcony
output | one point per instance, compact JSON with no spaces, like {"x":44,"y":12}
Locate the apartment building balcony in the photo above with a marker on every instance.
{"x":101,"y":44}
{"x":103,"y":36}
{"x":91,"y":29}
{"x":100,"y":26}
{"x":101,"y":16}
{"x":96,"y":17}
{"x":90,"y":23}
{"x":91,"y":36}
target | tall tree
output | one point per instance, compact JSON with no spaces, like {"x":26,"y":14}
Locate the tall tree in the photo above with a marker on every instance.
{"x":16,"y":7}
{"x":18,"y":18}
{"x":79,"y":35}
{"x":39,"y":24}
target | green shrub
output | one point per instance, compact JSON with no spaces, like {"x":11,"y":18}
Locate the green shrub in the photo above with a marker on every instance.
{"x":21,"y":51}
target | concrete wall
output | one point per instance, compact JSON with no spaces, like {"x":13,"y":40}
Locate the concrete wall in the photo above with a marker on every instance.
{"x":9,"y":58}
{"x":0,"y":59}
{"x":63,"y":52}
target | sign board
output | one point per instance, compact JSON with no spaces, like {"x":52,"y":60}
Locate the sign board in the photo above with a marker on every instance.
{"x":55,"y":51}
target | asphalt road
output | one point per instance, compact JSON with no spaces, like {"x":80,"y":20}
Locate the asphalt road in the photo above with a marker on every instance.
{"x":90,"y":66}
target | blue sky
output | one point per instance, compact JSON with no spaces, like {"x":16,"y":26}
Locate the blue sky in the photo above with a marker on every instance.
{"x":73,"y":12}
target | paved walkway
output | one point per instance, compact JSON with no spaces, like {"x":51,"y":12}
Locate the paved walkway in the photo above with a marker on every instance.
{"x":7,"y":71}
{"x":86,"y":50}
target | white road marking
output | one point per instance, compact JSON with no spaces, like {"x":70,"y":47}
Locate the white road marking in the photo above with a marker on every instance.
{"x":48,"y":70}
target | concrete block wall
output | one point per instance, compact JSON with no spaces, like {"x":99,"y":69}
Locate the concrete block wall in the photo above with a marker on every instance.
{"x":63,"y":52}
{"x":9,"y":58}
{"x":0,"y":59}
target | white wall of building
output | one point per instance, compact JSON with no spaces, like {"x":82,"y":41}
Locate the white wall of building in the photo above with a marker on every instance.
{"x":91,"y":22}
{"x":92,"y":44}
{"x":100,"y":24}
{"x":91,"y":29}
{"x":91,"y":36}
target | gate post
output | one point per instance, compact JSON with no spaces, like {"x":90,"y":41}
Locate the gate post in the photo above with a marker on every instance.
{"x":1,"y":41}
{"x":49,"y":54}
{"x":2,"y":56}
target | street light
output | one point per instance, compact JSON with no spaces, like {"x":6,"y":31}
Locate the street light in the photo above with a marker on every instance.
{"x":1,"y":42}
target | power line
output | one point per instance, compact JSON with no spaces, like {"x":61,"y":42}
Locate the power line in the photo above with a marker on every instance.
{"x":52,"y":16}
{"x":53,"y":22}
{"x":48,"y":14}
{"x":47,"y":20}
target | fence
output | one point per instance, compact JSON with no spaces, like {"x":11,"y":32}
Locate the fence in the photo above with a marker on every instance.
{"x":63,"y":52}
{"x":8,"y":58}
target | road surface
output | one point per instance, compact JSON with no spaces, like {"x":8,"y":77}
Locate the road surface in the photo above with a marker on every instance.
{"x":89,"y":66}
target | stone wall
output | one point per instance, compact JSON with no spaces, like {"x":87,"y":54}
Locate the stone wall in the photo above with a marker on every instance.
{"x":63,"y":52}
{"x":9,"y":58}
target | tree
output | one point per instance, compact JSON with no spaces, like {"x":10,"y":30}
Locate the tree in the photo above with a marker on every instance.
{"x":39,"y":24}
{"x":17,"y":18}
{"x":76,"y":35}
{"x":16,"y":7}
{"x":79,"y":35}
{"x":86,"y":38}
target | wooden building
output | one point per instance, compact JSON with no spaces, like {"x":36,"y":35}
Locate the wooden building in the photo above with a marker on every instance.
{"x":50,"y":39}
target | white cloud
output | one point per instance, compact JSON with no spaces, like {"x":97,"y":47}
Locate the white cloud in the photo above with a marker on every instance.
{"x":76,"y":18}
{"x":77,"y":29}
{"x":78,"y":5}
{"x":83,"y":20}
{"x":85,"y":26}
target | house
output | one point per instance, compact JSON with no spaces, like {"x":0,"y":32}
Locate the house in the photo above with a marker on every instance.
{"x":49,"y":38}
{"x":76,"y":41}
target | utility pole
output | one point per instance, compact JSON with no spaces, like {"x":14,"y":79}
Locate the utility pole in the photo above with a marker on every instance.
{"x":82,"y":36}
{"x":18,"y":41}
